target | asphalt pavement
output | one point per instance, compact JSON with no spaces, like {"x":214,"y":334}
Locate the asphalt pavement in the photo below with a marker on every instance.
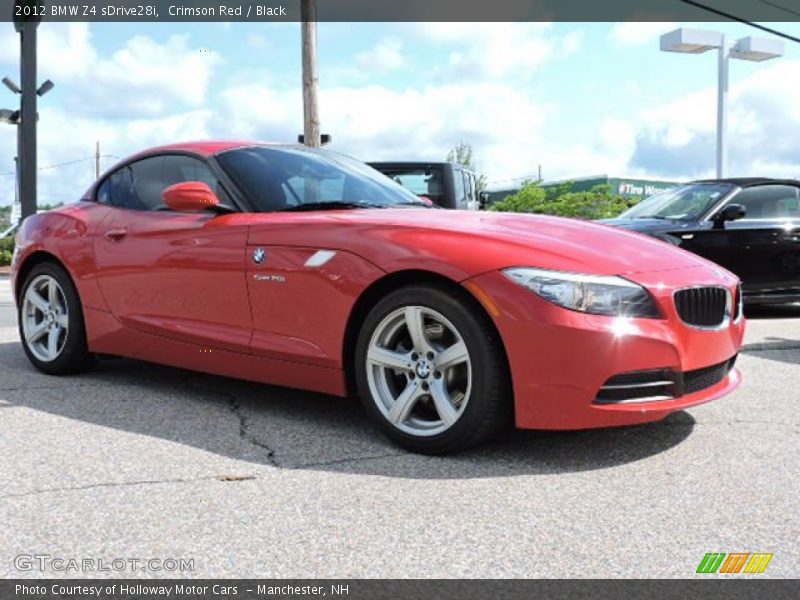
{"x":139,"y":461}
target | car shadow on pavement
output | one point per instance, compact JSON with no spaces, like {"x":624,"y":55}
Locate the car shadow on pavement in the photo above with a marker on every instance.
{"x":291,"y":429}
{"x":779,"y":349}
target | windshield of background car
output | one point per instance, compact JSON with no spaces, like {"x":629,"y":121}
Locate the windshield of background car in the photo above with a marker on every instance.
{"x":276,"y":179}
{"x":685,"y":203}
{"x":421,"y":181}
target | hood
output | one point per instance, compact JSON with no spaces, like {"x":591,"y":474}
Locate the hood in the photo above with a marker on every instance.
{"x":466,"y":243}
{"x":649,"y":226}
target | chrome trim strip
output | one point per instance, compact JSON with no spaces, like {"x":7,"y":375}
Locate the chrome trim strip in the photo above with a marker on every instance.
{"x":632,"y":386}
{"x":319,"y":258}
{"x":642,"y":400}
{"x":739,"y":304}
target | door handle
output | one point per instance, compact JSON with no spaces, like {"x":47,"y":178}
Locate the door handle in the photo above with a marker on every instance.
{"x":116,"y":235}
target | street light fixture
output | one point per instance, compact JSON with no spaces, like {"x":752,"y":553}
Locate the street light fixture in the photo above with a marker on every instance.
{"x":9,"y":83}
{"x":45,"y":87}
{"x":9,"y":116}
{"x":697,"y":41}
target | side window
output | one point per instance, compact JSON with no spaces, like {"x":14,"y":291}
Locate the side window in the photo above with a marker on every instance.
{"x":460,"y":191}
{"x":179,"y":168}
{"x":769,"y":202}
{"x":118,"y":190}
{"x":139,"y":186}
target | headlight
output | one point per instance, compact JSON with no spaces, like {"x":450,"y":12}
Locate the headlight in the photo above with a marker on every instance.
{"x":595,"y":294}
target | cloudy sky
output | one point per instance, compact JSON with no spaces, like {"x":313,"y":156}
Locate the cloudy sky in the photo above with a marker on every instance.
{"x":577,"y":98}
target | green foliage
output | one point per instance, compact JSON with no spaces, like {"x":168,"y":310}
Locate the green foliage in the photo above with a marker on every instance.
{"x":5,"y":216}
{"x":462,"y":155}
{"x":6,"y":250}
{"x":597,"y":203}
{"x":530,"y":198}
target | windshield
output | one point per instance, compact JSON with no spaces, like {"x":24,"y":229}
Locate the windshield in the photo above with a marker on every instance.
{"x":297,"y":178}
{"x":684,"y":203}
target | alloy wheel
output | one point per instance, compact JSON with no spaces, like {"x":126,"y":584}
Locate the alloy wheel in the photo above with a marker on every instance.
{"x":419,"y":371}
{"x":45,"y":318}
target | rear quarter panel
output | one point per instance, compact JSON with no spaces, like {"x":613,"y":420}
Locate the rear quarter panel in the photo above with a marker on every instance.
{"x":65,"y":233}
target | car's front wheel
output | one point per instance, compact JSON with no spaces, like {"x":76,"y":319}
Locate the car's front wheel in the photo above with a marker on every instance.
{"x":51,"y":322}
{"x":431,"y":370}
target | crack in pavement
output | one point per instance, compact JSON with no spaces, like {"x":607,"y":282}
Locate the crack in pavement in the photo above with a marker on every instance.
{"x":236,"y":408}
{"x":352,"y":459}
{"x":89,"y":486}
{"x":245,"y":433}
{"x":49,"y":387}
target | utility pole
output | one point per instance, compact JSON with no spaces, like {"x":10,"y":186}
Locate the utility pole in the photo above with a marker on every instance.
{"x":28,"y":116}
{"x":97,"y":161}
{"x":308,"y":15}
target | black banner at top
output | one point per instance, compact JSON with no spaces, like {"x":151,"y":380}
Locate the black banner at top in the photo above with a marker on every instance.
{"x":401,"y":10}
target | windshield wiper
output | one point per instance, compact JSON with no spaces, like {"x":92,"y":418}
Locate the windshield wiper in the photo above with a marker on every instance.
{"x":330,"y":206}
{"x":420,"y":204}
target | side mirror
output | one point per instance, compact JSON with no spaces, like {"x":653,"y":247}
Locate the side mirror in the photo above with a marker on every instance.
{"x":190,"y":196}
{"x":483,"y":199}
{"x":732,"y":212}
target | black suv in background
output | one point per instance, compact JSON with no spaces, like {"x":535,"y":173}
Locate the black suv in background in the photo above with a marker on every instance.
{"x":749,"y":226}
{"x":446,"y":184}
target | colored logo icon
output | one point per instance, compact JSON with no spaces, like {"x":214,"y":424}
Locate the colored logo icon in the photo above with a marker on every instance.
{"x":735,"y":562}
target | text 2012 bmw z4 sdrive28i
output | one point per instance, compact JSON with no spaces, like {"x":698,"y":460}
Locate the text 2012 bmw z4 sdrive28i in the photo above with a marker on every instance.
{"x":308,"y":269}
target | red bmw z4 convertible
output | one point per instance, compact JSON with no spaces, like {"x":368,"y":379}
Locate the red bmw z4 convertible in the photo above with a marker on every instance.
{"x":305,"y":268}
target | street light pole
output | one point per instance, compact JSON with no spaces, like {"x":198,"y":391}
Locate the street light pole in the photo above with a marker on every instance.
{"x":697,"y":41}
{"x":722,"y":107}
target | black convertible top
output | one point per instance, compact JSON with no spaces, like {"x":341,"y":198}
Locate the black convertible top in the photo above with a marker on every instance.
{"x":745,"y":182}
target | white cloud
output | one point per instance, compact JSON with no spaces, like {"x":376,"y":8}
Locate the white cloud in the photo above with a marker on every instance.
{"x":141,"y":77}
{"x":497,"y":50}
{"x":386,"y":55}
{"x":373,"y":122}
{"x":679,"y":137}
{"x":639,"y":33}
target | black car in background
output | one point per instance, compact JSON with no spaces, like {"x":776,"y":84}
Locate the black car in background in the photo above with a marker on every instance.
{"x":749,"y":226}
{"x":446,"y":184}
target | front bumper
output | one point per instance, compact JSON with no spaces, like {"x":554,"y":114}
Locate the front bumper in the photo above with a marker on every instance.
{"x":560,"y":360}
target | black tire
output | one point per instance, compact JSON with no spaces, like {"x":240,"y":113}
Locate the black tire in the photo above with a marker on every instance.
{"x":75,"y":356}
{"x":490,"y":404}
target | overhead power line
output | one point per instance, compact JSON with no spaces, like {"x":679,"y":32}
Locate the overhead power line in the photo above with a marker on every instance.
{"x":779,"y":7}
{"x":62,"y":164}
{"x":533,"y":177}
{"x":733,"y":17}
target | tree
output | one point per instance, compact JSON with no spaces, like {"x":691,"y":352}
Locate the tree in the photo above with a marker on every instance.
{"x":462,"y":154}
{"x":531,"y":198}
{"x":596,"y":203}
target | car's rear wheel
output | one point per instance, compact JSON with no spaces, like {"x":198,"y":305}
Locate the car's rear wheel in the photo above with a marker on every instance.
{"x":431,"y":370}
{"x":51,"y":322}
